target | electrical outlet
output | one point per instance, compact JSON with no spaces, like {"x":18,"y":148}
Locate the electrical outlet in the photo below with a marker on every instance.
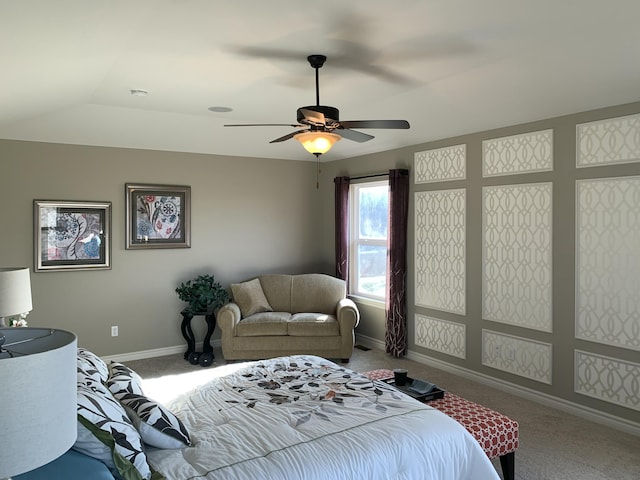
{"x":498,"y":351}
{"x":114,"y":331}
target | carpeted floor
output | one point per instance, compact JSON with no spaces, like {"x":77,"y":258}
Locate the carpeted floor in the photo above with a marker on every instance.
{"x":553,"y":444}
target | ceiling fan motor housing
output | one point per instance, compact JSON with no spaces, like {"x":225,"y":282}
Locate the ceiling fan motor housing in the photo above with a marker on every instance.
{"x":330,"y":113}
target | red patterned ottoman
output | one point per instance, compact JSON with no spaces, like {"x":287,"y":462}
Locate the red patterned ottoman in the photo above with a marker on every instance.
{"x":497,"y":434}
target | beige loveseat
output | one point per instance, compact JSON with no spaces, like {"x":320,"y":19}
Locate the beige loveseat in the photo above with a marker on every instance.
{"x":275,"y":315}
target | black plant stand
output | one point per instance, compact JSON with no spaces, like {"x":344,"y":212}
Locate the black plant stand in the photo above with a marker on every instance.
{"x":206,"y":357}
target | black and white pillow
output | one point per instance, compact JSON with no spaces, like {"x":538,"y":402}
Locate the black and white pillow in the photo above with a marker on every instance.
{"x":106,"y":433}
{"x":123,"y":380}
{"x":158,"y":427}
{"x":91,"y":366}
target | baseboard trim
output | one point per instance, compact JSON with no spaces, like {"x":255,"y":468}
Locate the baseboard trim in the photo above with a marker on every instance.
{"x":587,"y":413}
{"x":155,"y":352}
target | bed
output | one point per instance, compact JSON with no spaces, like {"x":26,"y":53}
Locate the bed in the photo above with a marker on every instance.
{"x":303,"y":417}
{"x":297,"y":417}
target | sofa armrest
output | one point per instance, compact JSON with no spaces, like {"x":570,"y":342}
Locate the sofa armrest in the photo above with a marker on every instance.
{"x":348,"y":315}
{"x":228,"y":317}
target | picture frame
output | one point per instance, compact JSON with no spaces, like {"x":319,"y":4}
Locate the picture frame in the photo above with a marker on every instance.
{"x":157,"y":216}
{"x":70,"y":235}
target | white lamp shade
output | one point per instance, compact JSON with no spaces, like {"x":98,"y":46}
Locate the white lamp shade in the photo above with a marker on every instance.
{"x":38,"y":397}
{"x":15,"y":291}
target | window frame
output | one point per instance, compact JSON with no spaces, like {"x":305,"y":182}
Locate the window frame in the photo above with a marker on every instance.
{"x":355,"y":241}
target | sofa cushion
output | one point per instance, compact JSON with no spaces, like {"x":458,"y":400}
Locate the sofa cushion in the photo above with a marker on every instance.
{"x":266,"y":323}
{"x":314,"y":292}
{"x":250,"y":297}
{"x":313,"y":325}
{"x":277,"y":289}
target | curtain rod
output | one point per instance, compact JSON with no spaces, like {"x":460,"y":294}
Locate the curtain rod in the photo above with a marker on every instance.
{"x":373,"y":175}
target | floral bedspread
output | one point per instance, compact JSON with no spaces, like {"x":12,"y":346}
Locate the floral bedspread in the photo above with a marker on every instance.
{"x":303,"y":417}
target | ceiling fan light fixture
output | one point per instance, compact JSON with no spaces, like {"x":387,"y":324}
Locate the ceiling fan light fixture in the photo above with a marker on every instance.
{"x":317,"y":143}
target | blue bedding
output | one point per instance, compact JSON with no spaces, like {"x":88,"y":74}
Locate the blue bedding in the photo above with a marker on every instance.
{"x":70,"y":466}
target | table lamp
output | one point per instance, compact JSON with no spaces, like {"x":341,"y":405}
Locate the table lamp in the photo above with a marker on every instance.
{"x":15,"y":293}
{"x":38,"y":386}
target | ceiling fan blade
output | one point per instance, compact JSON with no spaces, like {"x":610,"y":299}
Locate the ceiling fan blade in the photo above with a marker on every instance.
{"x":264,"y":125}
{"x":286,"y":137}
{"x":266,"y":52}
{"x":397,"y":124}
{"x":322,"y":118}
{"x":353,"y":135}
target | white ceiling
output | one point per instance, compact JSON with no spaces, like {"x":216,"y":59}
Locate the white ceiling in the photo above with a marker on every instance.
{"x":449,"y":67}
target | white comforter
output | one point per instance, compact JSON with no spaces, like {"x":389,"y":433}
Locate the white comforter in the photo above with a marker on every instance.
{"x":306,"y":418}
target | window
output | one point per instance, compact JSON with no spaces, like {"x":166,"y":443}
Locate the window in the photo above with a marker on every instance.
{"x":368,"y":220}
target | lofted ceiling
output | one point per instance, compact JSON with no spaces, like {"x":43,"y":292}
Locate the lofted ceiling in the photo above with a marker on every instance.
{"x":449,"y":67}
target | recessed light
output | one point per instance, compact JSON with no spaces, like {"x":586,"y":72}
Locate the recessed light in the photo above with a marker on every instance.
{"x":138,"y":92}
{"x":220,"y":109}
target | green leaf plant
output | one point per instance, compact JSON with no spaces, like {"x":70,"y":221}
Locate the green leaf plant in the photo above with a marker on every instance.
{"x":203,"y":294}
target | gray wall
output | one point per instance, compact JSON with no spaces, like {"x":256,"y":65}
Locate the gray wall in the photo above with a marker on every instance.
{"x":249,"y":216}
{"x":563,"y":176}
{"x":244,"y":222}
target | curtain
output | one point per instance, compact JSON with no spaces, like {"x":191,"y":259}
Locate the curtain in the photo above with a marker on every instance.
{"x":396,"y":302}
{"x":342,"y":227}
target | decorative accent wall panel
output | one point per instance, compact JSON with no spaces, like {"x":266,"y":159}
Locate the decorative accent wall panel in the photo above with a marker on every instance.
{"x":604,"y":142}
{"x":441,"y":164}
{"x":526,"y":153}
{"x":520,"y":356}
{"x":517,"y":251}
{"x":440,"y":249}
{"x":441,"y":335}
{"x":608,"y":379}
{"x":608,"y":261}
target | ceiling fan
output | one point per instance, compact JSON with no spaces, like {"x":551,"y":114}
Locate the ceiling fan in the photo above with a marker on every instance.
{"x":320,"y":125}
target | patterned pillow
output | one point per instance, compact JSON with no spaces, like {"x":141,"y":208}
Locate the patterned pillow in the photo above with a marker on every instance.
{"x":123,"y":380}
{"x":106,"y":433}
{"x":250,"y":297}
{"x":158,"y":427}
{"x":92,"y":366}
{"x":87,"y":378}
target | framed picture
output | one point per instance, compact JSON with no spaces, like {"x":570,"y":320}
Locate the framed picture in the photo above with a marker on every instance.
{"x":158,"y":216}
{"x":71,"y":235}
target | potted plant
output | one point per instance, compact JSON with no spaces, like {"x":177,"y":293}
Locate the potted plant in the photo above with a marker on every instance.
{"x":203,"y":294}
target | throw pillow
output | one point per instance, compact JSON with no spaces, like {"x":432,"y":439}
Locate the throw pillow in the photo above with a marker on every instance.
{"x":158,"y":427}
{"x":92,"y":365}
{"x":250,"y":297}
{"x":87,"y":377}
{"x":106,"y":433}
{"x":123,"y":380}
